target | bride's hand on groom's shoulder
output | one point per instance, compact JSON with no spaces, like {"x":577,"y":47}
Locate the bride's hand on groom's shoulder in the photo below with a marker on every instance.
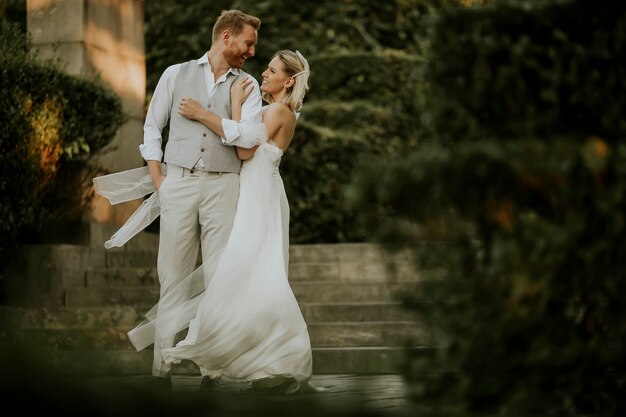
{"x":241,"y":89}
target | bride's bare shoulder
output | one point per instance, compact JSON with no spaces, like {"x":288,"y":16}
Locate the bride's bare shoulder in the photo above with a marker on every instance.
{"x":278,"y":110}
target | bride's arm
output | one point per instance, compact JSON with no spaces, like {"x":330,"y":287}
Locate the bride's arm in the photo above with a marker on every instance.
{"x":238,"y":93}
{"x":244,"y":153}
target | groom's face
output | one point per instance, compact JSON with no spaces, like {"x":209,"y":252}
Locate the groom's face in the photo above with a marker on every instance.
{"x":240,"y":47}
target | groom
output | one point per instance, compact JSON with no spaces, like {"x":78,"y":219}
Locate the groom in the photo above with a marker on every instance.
{"x":199,"y":195}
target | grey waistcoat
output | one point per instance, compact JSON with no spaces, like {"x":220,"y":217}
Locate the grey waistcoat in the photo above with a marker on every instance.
{"x":190,"y":140}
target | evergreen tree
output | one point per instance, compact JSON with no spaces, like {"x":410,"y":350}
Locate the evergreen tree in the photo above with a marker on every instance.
{"x":520,"y":196}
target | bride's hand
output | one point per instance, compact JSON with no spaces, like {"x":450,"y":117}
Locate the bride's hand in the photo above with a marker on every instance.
{"x":240,"y":90}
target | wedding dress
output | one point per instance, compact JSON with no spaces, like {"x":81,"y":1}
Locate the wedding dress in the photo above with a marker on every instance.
{"x":244,"y":322}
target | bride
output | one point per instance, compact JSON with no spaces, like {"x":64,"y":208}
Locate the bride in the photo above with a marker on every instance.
{"x":248,"y":325}
{"x":244,"y":323}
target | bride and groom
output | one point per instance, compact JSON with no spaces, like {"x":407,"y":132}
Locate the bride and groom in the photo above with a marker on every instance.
{"x":243,"y":320}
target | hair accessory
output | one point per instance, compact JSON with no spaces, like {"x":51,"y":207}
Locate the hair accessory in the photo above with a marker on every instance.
{"x":300,"y":56}
{"x":303,"y":62}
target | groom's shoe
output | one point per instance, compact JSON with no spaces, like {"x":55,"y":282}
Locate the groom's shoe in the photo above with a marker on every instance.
{"x":207,"y":384}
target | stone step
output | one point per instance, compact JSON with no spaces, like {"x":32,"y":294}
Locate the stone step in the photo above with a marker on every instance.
{"x":69,"y":318}
{"x":366,"y":334}
{"x":148,"y":243}
{"x":331,"y":292}
{"x":121,"y":276}
{"x":302,"y":253}
{"x":139,"y":297}
{"x":366,"y":270}
{"x":100,"y":233}
{"x":321,"y":335}
{"x":304,"y":271}
{"x":359,"y":360}
{"x":126,"y":317}
{"x":57,"y":268}
{"x":305,"y":292}
{"x":130,"y":258}
{"x":356,"y":312}
{"x":344,"y":252}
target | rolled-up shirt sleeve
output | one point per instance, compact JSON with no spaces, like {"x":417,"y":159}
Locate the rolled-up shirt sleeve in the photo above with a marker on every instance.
{"x":158,"y":115}
{"x":243,"y":133}
{"x":151,"y":152}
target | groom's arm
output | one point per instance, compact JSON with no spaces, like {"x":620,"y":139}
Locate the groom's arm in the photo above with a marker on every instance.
{"x":243,"y":134}
{"x":156,"y":119}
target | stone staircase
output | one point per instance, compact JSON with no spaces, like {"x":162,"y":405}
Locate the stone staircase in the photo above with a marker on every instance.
{"x":347,"y":294}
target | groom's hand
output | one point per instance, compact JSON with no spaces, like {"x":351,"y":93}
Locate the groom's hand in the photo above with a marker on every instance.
{"x":191,"y":109}
{"x":155,"y":173}
{"x":158,"y":181}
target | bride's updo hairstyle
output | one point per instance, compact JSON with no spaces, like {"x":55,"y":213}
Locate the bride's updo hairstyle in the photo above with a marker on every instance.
{"x":297,"y":67}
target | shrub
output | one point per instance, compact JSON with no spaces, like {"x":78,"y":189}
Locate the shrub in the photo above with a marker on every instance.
{"x":53,"y":124}
{"x":526,"y":183}
{"x":358,"y":110}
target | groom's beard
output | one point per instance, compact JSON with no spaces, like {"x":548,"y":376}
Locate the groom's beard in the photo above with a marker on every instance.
{"x":235,"y":59}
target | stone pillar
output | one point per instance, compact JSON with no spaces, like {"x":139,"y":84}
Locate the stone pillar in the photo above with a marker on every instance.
{"x":100,"y":39}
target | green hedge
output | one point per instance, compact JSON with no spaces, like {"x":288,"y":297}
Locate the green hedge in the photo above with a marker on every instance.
{"x":53,"y":124}
{"x":180,"y":30}
{"x":331,"y":138}
{"x":315,"y":170}
{"x":513,"y":72}
{"x":374,"y":120}
{"x":526,"y":184}
{"x":530,"y":317}
{"x":389,"y":78}
{"x":177,"y":31}
{"x":330,"y":26}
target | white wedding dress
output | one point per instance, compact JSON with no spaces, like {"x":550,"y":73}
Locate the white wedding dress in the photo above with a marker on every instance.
{"x":244,"y":322}
{"x":248,"y":325}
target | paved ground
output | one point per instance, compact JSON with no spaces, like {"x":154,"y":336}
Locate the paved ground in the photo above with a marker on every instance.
{"x":345,"y":395}
{"x":385,"y":394}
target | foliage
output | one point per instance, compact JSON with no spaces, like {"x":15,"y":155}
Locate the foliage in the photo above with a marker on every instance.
{"x":525,"y":181}
{"x":552,"y":74}
{"x":336,"y":27}
{"x":177,"y":31}
{"x":336,"y":130}
{"x":14,"y":11}
{"x":53,"y":123}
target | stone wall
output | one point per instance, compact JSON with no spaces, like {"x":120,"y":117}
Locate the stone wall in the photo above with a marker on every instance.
{"x":100,"y":39}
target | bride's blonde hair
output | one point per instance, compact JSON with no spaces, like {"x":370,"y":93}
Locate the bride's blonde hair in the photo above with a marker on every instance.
{"x":297,"y":67}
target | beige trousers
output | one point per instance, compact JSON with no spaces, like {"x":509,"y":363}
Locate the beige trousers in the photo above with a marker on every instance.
{"x":197,"y":210}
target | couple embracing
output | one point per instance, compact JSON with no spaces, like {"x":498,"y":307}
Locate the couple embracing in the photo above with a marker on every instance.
{"x":223,"y":194}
